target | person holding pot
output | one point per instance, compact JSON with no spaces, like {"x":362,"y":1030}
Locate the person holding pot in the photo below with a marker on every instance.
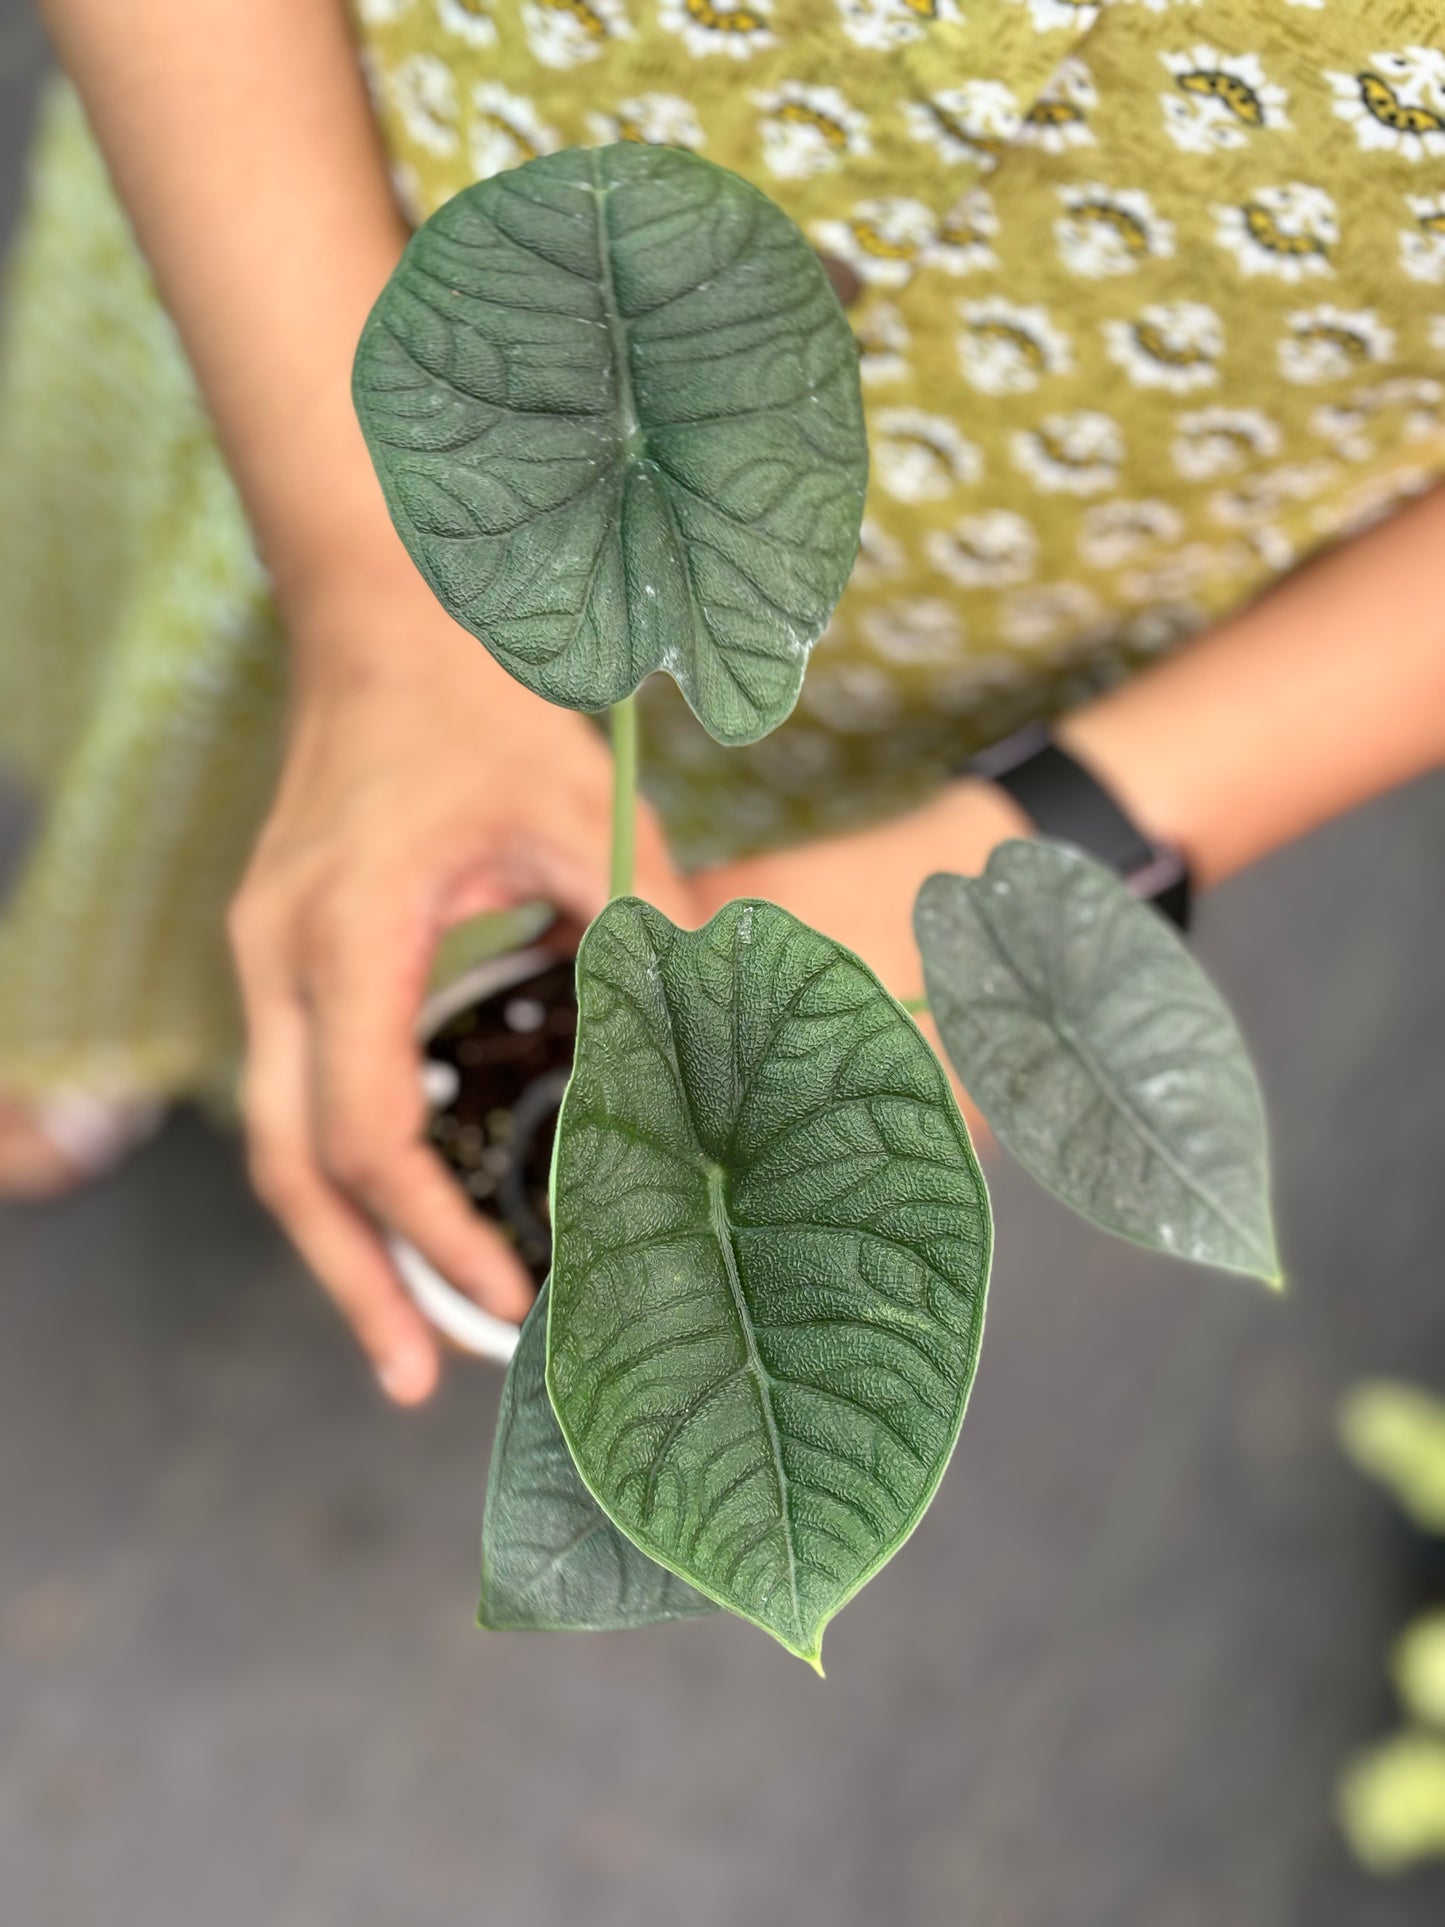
{"x":1143,"y":297}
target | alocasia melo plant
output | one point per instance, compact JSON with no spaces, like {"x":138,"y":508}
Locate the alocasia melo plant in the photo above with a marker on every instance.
{"x":614,"y":406}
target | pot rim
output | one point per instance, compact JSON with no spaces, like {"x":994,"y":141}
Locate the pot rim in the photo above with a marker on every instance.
{"x":457,"y":1317}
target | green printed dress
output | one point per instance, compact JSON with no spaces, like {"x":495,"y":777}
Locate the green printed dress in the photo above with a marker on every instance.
{"x":1150,"y":300}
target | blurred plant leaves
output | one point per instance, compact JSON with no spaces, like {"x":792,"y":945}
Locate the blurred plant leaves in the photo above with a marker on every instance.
{"x":1100,"y":1053}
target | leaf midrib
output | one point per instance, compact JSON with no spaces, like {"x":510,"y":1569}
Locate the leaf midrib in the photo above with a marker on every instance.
{"x":757,"y":1370}
{"x":616,"y":326}
{"x":1048,"y":1009}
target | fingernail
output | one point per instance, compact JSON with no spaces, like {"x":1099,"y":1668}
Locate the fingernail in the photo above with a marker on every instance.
{"x":404,"y":1377}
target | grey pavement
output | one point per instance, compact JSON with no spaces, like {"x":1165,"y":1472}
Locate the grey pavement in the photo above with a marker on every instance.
{"x":1109,"y":1684}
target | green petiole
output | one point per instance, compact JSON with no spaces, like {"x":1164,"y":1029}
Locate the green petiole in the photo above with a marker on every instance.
{"x":624,"y":793}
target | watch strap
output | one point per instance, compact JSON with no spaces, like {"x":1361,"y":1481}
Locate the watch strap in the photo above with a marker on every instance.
{"x":1063,"y":799}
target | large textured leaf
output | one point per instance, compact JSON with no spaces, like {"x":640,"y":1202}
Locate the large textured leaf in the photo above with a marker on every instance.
{"x":1100,"y":1053}
{"x":771,"y":1251}
{"x":552,"y":1560}
{"x":614,"y":406}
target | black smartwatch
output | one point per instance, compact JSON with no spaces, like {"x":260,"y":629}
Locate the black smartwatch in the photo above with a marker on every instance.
{"x":1062,"y":799}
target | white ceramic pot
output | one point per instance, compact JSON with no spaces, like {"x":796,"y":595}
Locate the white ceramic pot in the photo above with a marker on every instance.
{"x":451,"y":1311}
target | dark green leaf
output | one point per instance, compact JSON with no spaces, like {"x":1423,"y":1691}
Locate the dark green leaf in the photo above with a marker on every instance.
{"x":614,"y":406}
{"x":552,"y":1560}
{"x":1100,"y":1053}
{"x":772,"y":1247}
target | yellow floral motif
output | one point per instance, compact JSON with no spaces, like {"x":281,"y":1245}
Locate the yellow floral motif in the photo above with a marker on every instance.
{"x":1017,"y":340}
{"x":724,"y":19}
{"x":1157,"y":344}
{"x":589,"y":21}
{"x":1266,"y":229}
{"x":1387,"y":107}
{"x":1241,"y":100}
{"x":1052,"y":113}
{"x":988,"y":147}
{"x":1347,"y":342}
{"x":1131,"y":232}
{"x":795,"y":113}
{"x":527,"y":149}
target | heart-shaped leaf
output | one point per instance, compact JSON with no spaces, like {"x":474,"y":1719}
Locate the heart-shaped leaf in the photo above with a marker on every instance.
{"x":771,"y":1252}
{"x":1100,"y":1053}
{"x":552,"y":1560}
{"x":614,"y":406}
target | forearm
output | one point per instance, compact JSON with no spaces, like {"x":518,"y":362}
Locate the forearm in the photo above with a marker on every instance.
{"x":1329,"y":691}
{"x":240,"y":136}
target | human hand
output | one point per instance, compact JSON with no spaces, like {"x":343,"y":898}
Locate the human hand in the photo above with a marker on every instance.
{"x":860,"y":888}
{"x":421,"y":786}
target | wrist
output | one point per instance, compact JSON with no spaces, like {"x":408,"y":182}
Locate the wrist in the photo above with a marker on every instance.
{"x":966,"y":821}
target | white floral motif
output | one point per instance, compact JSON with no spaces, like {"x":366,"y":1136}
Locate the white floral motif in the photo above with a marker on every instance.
{"x":1172,"y":344}
{"x":1058,"y":119}
{"x":993,"y":550}
{"x":921,"y":457}
{"x":1049,"y":16}
{"x":982,"y":685}
{"x":653,"y":120}
{"x":1328,"y":343}
{"x":1153,"y":631}
{"x":1422,"y":245}
{"x":1173,"y":577}
{"x":974,"y":121}
{"x":469,"y":20}
{"x":565,"y":33}
{"x":884,"y":24}
{"x":505,"y":130}
{"x":914,"y":629}
{"x":881,"y":240}
{"x":852,"y":698}
{"x":795,"y":760}
{"x":1221,"y":441}
{"x":881,"y":556}
{"x":1107,"y":231}
{"x":1409,"y":405}
{"x":1285,"y":231}
{"x":1005,"y":349}
{"x":1053,"y":612}
{"x":1219,"y":100}
{"x":806,"y":130}
{"x":1259,"y":498}
{"x":424,"y":93}
{"x":1076,"y":454}
{"x":963,"y":243}
{"x":410,"y":194}
{"x":736,"y":27}
{"x":1113,"y":533}
{"x":381,"y":13}
{"x":1396,"y":104}
{"x":1372,"y":500}
{"x":883,"y":339}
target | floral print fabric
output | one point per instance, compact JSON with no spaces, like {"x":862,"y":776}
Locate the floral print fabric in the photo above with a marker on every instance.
{"x":1150,"y":302}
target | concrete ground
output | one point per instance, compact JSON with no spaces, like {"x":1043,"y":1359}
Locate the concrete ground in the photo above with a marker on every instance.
{"x":1109,"y":1684}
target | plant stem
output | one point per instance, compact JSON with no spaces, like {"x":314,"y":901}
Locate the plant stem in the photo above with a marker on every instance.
{"x":624,"y":792}
{"x":915,"y":1006}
